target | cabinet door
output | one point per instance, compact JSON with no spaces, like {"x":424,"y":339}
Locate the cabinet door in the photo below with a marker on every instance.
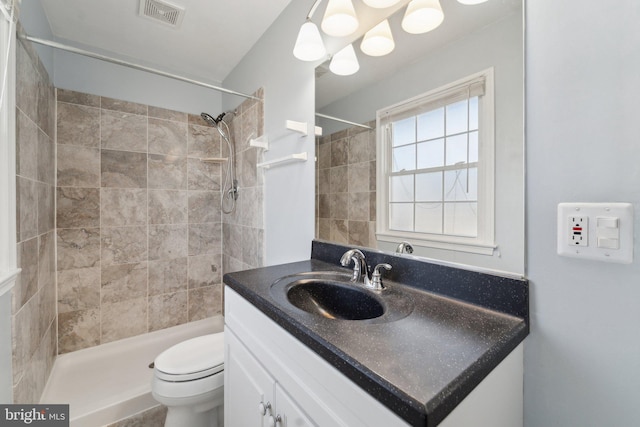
{"x":291,"y":415}
{"x":246,"y":386}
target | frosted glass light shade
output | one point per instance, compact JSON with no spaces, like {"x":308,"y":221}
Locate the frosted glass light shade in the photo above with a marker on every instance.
{"x":422,"y":16}
{"x":378,"y":41}
{"x":345,"y":62}
{"x":309,"y":45}
{"x":471,"y":1}
{"x":380,"y":4}
{"x":339,"y":18}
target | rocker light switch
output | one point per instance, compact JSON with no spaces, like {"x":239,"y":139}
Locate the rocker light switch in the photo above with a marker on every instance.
{"x":610,"y":226}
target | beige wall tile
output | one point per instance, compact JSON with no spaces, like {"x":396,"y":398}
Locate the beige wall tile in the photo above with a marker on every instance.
{"x":78,"y":125}
{"x":123,"y":282}
{"x":205,"y":270}
{"x":162,"y":113}
{"x":26,"y":146}
{"x":123,"y":319}
{"x":78,"y":289}
{"x":27,"y":208}
{"x":123,"y":106}
{"x":205,"y":302}
{"x":205,"y":239}
{"x":204,"y":206}
{"x":123,"y":131}
{"x":78,"y":207}
{"x":78,"y":248}
{"x":203,"y":141}
{"x":123,"y":169}
{"x":167,"y":276}
{"x":123,"y":245}
{"x":121,"y":207}
{"x":168,"y":206}
{"x":73,"y":97}
{"x":168,"y":310}
{"x":46,"y":159}
{"x":167,"y":172}
{"x":167,"y":137}
{"x":167,"y":241}
{"x":78,"y":166}
{"x":78,"y":329}
{"x":204,"y":175}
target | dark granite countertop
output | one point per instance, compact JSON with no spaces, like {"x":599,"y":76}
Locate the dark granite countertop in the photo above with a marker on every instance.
{"x":421,"y":365}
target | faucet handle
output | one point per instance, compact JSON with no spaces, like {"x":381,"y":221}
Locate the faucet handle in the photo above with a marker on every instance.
{"x":376,"y":276}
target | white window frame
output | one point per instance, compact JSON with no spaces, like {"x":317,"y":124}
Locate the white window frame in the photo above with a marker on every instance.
{"x":484,"y":242}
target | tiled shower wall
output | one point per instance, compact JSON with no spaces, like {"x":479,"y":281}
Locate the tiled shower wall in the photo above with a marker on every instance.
{"x":34,"y":295}
{"x":139,"y":228}
{"x":243,"y":230}
{"x":346,"y":186}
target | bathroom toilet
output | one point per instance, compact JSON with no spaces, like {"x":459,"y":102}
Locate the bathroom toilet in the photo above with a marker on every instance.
{"x":188,"y":378}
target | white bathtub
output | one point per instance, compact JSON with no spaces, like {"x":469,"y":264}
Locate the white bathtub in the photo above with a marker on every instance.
{"x":111,"y":382}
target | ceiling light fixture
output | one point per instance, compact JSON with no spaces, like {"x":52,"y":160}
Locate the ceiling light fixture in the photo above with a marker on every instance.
{"x":309,"y":45}
{"x":339,"y":18}
{"x":380,"y":4}
{"x":345,"y":62}
{"x":422,"y":16}
{"x":378,"y":41}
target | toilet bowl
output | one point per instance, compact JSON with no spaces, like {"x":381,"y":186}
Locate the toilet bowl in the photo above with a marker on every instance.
{"x":188,"y":379}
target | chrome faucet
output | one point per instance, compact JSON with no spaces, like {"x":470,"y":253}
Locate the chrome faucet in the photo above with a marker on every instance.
{"x":359,"y":265}
{"x":361,"y":271}
{"x":404,"y":247}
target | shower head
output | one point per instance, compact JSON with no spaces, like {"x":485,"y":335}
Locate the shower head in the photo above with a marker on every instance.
{"x":211,"y":120}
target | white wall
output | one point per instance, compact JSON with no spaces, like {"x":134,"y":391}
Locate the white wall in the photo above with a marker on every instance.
{"x":582,"y":359}
{"x":34,"y":22}
{"x":289,"y":93}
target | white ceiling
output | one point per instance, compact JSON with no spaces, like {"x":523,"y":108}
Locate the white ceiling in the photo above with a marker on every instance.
{"x":216,"y":34}
{"x":213,"y":37}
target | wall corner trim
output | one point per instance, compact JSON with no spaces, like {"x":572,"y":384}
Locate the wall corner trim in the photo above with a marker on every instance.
{"x":7,"y":280}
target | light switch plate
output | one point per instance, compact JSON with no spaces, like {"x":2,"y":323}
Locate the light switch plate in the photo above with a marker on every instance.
{"x":605,"y":231}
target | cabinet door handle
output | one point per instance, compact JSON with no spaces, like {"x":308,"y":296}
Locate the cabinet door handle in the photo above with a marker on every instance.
{"x":273,"y":422}
{"x":263,"y":408}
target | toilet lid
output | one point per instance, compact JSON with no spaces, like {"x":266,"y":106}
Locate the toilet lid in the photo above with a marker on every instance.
{"x":192,"y":359}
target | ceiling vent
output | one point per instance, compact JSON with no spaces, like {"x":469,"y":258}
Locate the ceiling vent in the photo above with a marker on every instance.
{"x":161,"y":11}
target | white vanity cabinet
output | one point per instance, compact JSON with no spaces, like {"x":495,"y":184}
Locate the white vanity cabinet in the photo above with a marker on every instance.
{"x":254,"y":398}
{"x":264,"y":364}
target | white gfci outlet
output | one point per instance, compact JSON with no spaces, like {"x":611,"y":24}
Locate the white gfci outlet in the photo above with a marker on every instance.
{"x":578,"y":230}
{"x":598,"y":231}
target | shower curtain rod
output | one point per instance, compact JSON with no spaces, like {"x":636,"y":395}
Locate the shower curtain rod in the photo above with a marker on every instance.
{"x":324,"y":116}
{"x":72,"y":49}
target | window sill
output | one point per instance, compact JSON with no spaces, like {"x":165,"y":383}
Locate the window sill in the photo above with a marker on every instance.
{"x":468,"y":247}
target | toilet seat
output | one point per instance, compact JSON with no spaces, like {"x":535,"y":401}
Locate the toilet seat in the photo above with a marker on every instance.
{"x":192,"y":359}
